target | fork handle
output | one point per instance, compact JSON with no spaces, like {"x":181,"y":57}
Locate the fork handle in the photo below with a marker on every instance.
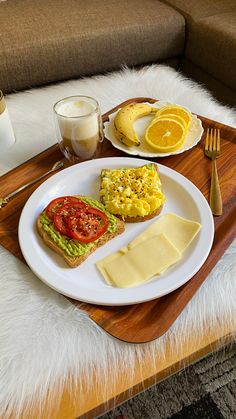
{"x":215,"y":194}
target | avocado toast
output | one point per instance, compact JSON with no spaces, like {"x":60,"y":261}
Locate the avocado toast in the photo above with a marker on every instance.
{"x":68,"y":242}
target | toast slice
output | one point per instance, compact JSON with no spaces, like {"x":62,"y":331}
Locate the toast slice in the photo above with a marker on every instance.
{"x":140,"y":218}
{"x":141,"y":191}
{"x":74,"y":261}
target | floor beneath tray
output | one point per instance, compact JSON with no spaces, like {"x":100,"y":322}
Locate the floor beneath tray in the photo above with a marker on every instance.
{"x":204,"y":390}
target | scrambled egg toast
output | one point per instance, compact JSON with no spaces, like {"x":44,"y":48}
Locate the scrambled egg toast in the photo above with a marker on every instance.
{"x":133,"y":194}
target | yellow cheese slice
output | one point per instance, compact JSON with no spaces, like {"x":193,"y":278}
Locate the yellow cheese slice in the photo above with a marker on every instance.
{"x":143,"y":261}
{"x":101,"y":264}
{"x":179,"y":231}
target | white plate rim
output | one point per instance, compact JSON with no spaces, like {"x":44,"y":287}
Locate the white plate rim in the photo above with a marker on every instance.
{"x":42,"y":274}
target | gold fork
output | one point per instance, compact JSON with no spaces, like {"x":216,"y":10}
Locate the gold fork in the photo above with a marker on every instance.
{"x":212,"y":150}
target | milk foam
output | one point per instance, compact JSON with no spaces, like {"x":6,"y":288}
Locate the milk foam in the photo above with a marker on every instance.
{"x":75,"y":108}
{"x":81,"y":128}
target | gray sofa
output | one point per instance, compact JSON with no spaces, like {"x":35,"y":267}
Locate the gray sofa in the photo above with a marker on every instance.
{"x":55,"y":40}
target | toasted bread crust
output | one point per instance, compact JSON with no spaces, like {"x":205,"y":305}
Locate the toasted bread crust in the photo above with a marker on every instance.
{"x":75,"y":261}
{"x":138,"y":218}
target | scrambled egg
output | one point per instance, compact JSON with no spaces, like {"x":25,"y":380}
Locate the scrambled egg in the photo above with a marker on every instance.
{"x":131,"y":192}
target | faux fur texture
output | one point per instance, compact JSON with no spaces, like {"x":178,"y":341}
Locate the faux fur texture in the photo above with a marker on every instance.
{"x":44,"y":340}
{"x":32,"y":116}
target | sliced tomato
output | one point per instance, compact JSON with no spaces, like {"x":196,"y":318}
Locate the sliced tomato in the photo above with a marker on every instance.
{"x":62,"y":213}
{"x":58,"y":202}
{"x":87,"y":225}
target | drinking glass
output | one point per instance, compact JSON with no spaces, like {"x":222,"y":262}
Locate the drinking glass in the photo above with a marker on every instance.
{"x":78,"y":127}
{"x":7,"y":137}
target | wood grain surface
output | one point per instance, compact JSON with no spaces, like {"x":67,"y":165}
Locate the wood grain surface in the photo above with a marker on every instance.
{"x":147,"y":321}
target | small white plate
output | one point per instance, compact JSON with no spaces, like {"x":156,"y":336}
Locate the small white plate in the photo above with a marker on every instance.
{"x":84,"y":283}
{"x":193,"y":136}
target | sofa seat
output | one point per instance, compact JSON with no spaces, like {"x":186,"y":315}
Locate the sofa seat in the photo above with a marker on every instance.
{"x":210,"y":54}
{"x":56,"y":40}
{"x":212,"y":46}
{"x":194,"y":10}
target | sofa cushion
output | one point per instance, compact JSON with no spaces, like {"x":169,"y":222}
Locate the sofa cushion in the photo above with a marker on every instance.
{"x":221,"y":92}
{"x":210,"y":37}
{"x":193,"y":10}
{"x":212,"y":46}
{"x":55,"y":40}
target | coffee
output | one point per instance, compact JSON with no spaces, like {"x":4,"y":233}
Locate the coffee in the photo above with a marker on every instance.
{"x":84,"y":148}
{"x":79,"y":124}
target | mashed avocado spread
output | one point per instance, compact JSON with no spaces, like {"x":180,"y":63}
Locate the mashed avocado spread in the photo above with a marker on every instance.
{"x":70,"y":246}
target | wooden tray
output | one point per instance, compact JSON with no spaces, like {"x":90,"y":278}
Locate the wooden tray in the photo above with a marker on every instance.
{"x":147,"y":321}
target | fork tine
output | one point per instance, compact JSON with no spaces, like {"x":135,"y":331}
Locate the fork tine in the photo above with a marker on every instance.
{"x":218,"y":140}
{"x":207,"y":140}
{"x":214,"y":140}
{"x":210,"y":139}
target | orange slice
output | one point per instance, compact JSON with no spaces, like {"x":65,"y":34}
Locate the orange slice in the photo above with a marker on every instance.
{"x":176,"y":110}
{"x":174,"y":117}
{"x":165,"y":135}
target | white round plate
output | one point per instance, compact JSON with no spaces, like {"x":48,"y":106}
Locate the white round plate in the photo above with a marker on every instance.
{"x":84,"y":283}
{"x":193,"y":136}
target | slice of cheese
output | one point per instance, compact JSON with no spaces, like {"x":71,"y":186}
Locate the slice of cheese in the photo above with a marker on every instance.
{"x":101,"y":264}
{"x":132,"y":268}
{"x":179,"y":231}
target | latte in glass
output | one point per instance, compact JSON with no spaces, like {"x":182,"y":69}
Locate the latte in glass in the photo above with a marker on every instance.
{"x":79,"y":127}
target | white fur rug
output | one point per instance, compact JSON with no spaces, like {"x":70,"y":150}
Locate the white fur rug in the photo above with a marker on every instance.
{"x":32,"y":117}
{"x":44,"y":340}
